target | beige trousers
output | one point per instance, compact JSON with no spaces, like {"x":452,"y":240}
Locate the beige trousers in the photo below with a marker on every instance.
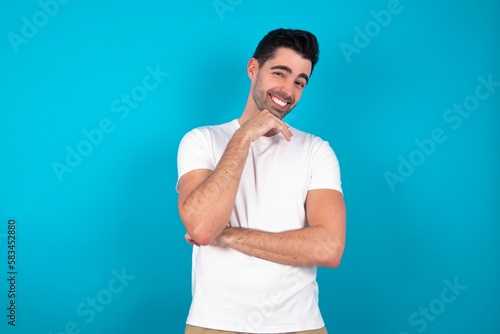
{"x":199,"y":330}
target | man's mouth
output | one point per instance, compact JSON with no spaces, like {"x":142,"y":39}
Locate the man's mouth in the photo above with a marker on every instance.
{"x":282,"y":104}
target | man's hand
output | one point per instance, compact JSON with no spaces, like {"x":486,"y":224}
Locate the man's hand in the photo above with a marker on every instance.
{"x":264,"y":123}
{"x":190,"y":240}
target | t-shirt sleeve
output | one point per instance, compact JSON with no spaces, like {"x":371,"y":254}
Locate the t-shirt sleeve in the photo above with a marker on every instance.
{"x":194,"y":153}
{"x":325,"y":173}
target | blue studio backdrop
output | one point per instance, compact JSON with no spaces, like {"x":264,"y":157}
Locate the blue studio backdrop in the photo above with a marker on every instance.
{"x":96,"y":95}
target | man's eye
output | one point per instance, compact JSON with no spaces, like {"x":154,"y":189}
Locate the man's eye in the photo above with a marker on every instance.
{"x":278,"y":74}
{"x":300,"y":84}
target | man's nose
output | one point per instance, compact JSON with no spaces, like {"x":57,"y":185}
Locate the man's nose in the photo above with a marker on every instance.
{"x":288,"y":88}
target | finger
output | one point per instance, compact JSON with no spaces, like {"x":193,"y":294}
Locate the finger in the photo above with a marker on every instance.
{"x":189,"y":240}
{"x":288,"y":130}
{"x":281,"y":126}
{"x":192,"y":242}
{"x":285,"y":131}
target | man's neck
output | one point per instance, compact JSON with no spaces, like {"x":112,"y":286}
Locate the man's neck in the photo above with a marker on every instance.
{"x":250,"y":111}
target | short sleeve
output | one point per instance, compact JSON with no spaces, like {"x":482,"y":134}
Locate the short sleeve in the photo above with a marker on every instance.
{"x":194,"y":152}
{"x":325,"y":169}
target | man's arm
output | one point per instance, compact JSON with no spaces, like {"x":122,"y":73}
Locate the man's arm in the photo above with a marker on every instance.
{"x":206,"y":198}
{"x":320,"y":244}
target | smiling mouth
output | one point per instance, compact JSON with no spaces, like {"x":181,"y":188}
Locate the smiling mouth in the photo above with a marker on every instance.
{"x":282,"y":104}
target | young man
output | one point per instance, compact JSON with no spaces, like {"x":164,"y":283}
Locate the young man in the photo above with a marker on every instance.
{"x":262,"y":204}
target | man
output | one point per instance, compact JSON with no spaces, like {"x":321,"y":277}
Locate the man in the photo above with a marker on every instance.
{"x":262,"y":204}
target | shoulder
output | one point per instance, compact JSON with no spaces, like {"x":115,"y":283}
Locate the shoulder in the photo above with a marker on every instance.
{"x":212,"y":131}
{"x":228,"y":127}
{"x":316,"y":146}
{"x":306,"y":137}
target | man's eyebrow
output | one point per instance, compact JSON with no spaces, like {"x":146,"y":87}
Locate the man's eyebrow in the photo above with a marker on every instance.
{"x":289,"y":70}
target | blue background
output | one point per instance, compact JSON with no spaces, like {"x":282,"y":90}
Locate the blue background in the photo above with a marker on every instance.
{"x":116,"y":210}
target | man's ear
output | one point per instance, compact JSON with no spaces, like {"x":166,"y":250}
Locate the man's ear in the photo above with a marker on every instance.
{"x":252,"y":68}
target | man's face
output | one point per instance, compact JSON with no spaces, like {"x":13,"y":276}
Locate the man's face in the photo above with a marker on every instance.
{"x":279,"y":82}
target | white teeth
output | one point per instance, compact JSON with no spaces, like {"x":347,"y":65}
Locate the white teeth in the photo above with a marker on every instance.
{"x":278,"y":101}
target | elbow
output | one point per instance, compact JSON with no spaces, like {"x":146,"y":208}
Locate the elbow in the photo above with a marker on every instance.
{"x":333,"y":262}
{"x":201,"y":235}
{"x":204,"y":227}
{"x":203,"y":238}
{"x":332,"y":256}
{"x":197,"y":230}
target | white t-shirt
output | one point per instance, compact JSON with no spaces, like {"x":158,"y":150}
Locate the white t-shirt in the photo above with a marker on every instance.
{"x":236,"y":292}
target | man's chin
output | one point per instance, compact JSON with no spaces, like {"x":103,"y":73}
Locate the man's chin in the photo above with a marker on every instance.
{"x":279,"y":113}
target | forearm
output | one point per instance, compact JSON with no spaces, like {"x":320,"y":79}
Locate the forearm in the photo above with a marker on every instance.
{"x":207,"y":210}
{"x":206,"y":199}
{"x":310,"y":246}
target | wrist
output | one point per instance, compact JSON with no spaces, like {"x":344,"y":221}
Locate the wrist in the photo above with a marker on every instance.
{"x":227,"y":236}
{"x":222,"y":240}
{"x":242,"y":137}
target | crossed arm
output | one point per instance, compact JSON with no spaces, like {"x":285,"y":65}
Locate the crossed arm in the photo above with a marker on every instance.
{"x":206,"y":200}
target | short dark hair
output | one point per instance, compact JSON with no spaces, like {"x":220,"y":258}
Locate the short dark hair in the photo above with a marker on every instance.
{"x":301,"y":41}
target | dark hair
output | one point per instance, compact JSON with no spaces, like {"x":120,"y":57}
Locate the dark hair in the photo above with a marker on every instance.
{"x":301,"y":41}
